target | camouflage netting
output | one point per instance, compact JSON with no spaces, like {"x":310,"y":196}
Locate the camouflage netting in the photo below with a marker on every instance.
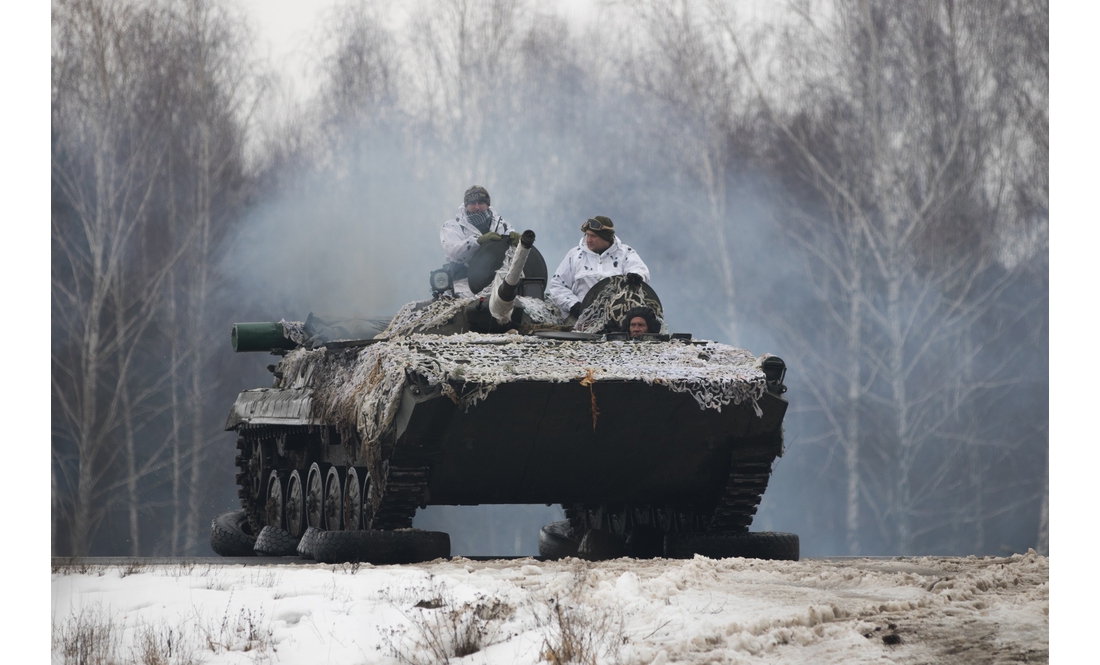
{"x":607,"y":310}
{"x":359,"y":390}
{"x":427,"y":314}
{"x":604,"y":314}
{"x":424,"y":314}
{"x":295,"y":331}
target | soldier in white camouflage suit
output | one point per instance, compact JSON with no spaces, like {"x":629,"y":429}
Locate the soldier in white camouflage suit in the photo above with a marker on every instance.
{"x":474,"y":225}
{"x":599,"y":254}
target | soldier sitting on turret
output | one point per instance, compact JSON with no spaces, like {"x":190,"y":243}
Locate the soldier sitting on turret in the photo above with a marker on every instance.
{"x":474,"y":225}
{"x":598,"y":255}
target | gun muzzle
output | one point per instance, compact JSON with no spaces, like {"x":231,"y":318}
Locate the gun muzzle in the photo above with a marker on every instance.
{"x":503,"y":296}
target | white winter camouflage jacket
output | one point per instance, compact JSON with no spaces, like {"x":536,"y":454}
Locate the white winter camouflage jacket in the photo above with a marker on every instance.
{"x":582,"y":268}
{"x":459,"y":237}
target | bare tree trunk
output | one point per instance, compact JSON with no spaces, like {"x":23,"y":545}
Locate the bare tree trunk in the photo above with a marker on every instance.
{"x":127,"y":422}
{"x":1042,"y":540}
{"x":104,"y":162}
{"x":88,"y":439}
{"x":174,"y":328}
{"x":714,"y":178}
{"x":903,"y":499}
{"x":852,"y":408}
{"x":198,"y":354}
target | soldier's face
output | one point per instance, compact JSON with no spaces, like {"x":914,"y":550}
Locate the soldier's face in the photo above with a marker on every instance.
{"x":594,"y":242}
{"x":638,"y":326}
{"x":477,"y":207}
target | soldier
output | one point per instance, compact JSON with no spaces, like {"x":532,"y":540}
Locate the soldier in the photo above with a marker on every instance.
{"x":639,"y":321}
{"x":474,"y":225}
{"x":599,"y":254}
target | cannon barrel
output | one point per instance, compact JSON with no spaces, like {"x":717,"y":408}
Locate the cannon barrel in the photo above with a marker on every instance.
{"x":503,"y":297}
{"x":260,"y":337}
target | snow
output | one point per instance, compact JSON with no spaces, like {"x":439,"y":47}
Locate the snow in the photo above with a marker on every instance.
{"x":907,"y":610}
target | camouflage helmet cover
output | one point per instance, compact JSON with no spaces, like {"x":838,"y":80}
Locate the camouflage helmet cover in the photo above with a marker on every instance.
{"x":476,"y":194}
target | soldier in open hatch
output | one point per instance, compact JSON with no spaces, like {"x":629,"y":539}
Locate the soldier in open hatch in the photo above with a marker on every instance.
{"x":474,"y":225}
{"x":599,"y":254}
{"x":639,"y":321}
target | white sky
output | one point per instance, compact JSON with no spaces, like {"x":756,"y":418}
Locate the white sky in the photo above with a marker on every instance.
{"x":654,"y":612}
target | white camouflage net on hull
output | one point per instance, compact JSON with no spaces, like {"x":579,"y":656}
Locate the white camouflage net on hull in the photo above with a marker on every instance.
{"x":425,"y":315}
{"x":360,"y":389}
{"x":541,"y":311}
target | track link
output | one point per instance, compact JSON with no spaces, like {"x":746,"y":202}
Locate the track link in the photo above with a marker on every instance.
{"x":252,"y":468}
{"x":740,"y":497}
{"x":405,"y":491}
{"x":733,"y":513}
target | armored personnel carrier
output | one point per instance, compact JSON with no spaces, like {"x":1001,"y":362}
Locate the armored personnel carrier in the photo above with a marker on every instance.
{"x":655,"y":445}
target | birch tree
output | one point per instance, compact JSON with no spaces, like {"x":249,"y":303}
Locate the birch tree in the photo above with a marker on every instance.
{"x":686,"y":65}
{"x":214,"y":94}
{"x":464,"y":53}
{"x":898,"y":141}
{"x":105,"y":155}
{"x":146,"y":172}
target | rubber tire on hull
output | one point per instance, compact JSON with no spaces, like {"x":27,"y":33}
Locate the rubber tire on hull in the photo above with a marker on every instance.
{"x":644,"y":542}
{"x":274,"y":541}
{"x":381,"y":547}
{"x":309,"y":539}
{"x":556,"y":541}
{"x":750,"y":545}
{"x":600,"y":545}
{"x":230,"y":534}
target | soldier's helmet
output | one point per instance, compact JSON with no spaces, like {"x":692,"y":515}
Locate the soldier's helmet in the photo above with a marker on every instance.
{"x":476,"y":194}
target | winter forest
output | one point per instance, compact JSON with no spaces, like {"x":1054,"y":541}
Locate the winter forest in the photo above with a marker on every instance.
{"x":859,"y":187}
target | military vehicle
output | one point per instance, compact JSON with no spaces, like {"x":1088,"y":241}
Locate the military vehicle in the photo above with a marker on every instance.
{"x":656,"y":445}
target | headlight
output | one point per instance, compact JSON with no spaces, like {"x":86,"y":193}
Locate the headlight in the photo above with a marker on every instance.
{"x":775,"y":370}
{"x":440,"y":280}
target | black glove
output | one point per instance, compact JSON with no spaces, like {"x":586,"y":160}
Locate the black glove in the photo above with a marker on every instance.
{"x":487,"y":237}
{"x":576,"y":310}
{"x":633,"y":279}
{"x":513,"y":238}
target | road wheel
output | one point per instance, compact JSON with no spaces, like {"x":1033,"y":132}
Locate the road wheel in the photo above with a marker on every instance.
{"x":315,"y":496}
{"x":381,"y":547}
{"x":295,"y":505}
{"x":276,"y":499}
{"x":353,"y":498}
{"x":721,"y":545}
{"x":231,"y":534}
{"x":557,"y":541}
{"x":273,"y":541}
{"x":334,"y":499}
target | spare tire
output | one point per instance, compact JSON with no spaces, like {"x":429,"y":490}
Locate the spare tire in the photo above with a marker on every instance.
{"x":721,"y":545}
{"x":600,"y":545}
{"x":381,"y":547}
{"x":231,"y":535}
{"x":557,"y":541}
{"x":305,"y":545}
{"x":274,"y":541}
{"x":644,"y":541}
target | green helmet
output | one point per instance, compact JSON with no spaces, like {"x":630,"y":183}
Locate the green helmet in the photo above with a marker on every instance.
{"x":476,"y":194}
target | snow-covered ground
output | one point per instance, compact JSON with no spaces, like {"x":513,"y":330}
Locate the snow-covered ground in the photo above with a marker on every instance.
{"x":912,"y":610}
